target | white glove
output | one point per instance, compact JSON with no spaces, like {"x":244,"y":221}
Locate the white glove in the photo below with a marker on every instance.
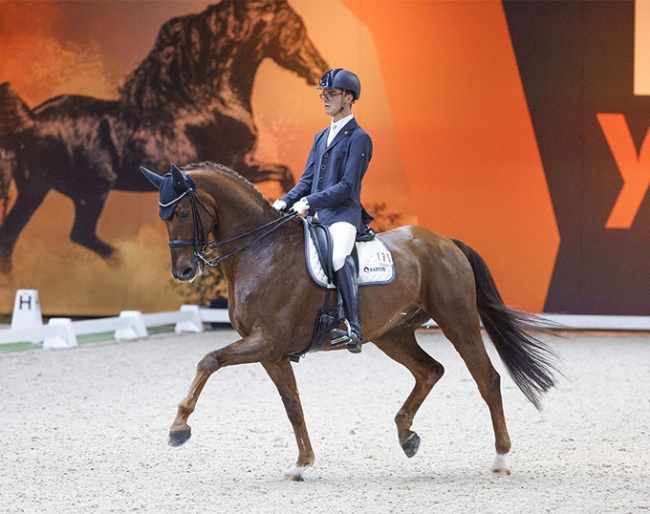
{"x":279,"y":205}
{"x":301,"y":206}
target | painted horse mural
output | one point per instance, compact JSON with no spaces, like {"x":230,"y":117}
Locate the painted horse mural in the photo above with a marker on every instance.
{"x":188,"y":100}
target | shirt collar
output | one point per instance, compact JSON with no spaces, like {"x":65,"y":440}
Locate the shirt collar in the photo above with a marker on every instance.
{"x":343,"y":121}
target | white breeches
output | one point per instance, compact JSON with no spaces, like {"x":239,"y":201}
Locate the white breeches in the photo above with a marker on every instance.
{"x":344,"y":235}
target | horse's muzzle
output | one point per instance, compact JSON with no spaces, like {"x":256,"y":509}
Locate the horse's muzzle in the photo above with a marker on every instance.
{"x":186,"y":270}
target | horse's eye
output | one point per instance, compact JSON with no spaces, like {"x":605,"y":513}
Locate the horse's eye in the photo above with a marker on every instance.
{"x":183,"y":213}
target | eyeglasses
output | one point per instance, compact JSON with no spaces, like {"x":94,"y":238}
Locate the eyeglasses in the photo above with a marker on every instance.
{"x":328,"y":97}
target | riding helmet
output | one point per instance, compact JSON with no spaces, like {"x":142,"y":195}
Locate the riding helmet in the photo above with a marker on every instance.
{"x":338,"y":78}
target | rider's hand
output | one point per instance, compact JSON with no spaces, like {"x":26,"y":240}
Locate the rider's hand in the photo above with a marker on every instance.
{"x":279,"y":205}
{"x":301,"y":206}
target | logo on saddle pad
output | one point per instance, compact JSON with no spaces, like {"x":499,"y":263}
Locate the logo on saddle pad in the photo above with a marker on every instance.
{"x":375,"y":262}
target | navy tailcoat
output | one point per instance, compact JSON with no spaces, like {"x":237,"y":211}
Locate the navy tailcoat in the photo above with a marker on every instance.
{"x":331,"y":181}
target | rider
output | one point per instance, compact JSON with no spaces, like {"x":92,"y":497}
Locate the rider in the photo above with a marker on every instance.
{"x":330,"y":189}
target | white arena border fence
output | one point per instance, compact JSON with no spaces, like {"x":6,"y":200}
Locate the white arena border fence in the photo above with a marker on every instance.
{"x":63,"y":332}
{"x":593,"y":322}
{"x":129,"y":325}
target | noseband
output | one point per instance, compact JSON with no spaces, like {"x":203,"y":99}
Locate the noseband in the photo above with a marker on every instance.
{"x":202,"y":247}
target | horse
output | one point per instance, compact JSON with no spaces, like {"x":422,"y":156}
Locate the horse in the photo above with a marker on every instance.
{"x":188,"y":100}
{"x":208,"y":207}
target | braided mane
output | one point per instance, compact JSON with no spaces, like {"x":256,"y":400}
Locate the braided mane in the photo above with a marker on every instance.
{"x":233,"y":175}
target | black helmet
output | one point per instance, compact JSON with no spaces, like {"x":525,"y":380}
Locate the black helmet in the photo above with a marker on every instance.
{"x":338,"y":78}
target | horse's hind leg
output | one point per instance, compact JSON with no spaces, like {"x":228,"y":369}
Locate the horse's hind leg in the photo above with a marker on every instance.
{"x":84,"y":229}
{"x":400,"y":344}
{"x":282,"y":375}
{"x":465,"y":335}
{"x":30,"y":197}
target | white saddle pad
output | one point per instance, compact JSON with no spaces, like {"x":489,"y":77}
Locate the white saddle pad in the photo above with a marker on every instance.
{"x":375,"y":263}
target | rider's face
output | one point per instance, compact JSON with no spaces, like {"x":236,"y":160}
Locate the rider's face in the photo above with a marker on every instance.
{"x":332,"y":100}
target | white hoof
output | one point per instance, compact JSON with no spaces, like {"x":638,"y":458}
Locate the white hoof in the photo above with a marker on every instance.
{"x":500,"y":465}
{"x":294,"y":473}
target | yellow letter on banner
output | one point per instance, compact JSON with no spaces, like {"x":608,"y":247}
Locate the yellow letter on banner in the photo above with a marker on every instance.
{"x":634,"y":169}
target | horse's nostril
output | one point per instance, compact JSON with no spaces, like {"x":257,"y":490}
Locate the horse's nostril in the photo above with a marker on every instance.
{"x":186,"y":273}
{"x":183,"y":273}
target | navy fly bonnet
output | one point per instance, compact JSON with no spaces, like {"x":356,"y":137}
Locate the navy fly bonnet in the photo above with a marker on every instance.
{"x":173,"y":186}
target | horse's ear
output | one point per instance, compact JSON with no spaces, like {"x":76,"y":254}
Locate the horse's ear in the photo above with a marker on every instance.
{"x":154,"y":178}
{"x":178,"y":178}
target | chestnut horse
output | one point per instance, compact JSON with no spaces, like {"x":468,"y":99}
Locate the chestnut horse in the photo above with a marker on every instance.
{"x":207,"y":206}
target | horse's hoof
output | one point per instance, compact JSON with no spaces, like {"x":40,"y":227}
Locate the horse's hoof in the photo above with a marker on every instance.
{"x":294,"y":474}
{"x":179,"y":437}
{"x":411,"y":445}
{"x":500,"y":465}
{"x":293,"y":477}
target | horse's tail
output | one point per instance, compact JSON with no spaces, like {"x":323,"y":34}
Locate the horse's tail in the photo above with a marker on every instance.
{"x":530,"y":362}
{"x":15,"y":116}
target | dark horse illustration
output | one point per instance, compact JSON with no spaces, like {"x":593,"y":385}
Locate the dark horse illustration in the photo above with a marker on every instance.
{"x":189,"y":100}
{"x":262,"y":255}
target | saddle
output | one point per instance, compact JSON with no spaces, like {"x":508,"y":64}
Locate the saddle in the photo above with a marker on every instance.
{"x":372,"y":257}
{"x":375,"y":265}
{"x":320,"y":237}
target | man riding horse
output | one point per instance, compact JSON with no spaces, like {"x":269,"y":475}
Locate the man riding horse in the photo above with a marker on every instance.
{"x":330,"y":190}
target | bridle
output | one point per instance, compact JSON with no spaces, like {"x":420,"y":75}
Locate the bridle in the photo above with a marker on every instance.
{"x":202,"y":247}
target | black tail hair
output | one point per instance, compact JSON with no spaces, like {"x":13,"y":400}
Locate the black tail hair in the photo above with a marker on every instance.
{"x":530,"y":362}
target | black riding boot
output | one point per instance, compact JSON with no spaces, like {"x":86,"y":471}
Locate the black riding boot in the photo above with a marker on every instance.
{"x":346,"y":282}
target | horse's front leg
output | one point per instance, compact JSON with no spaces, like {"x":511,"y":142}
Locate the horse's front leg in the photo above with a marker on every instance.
{"x":282,"y":375}
{"x":180,"y":431}
{"x":247,"y":350}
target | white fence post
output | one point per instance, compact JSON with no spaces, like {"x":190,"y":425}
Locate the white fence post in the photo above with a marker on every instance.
{"x":193,"y":323}
{"x":65,"y":337}
{"x":135,"y":329}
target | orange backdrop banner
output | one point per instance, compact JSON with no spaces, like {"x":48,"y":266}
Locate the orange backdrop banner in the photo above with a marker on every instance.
{"x":456,"y":147}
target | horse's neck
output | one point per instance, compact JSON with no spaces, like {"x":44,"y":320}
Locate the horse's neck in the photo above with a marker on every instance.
{"x":223,"y":76}
{"x":238,"y":83}
{"x":236,"y":222}
{"x":240,"y":208}
{"x":258,"y":250}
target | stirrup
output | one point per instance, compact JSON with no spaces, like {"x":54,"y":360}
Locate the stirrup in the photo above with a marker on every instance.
{"x":340,"y":337}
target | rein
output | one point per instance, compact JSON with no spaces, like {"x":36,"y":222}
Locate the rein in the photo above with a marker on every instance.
{"x":203,"y":248}
{"x":208,"y":247}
